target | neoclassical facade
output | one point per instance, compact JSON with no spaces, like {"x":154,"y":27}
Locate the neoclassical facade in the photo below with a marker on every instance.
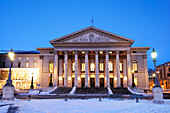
{"x":91,"y":57}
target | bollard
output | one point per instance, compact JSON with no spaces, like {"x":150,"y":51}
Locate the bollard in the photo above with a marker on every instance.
{"x":100,"y":99}
{"x":65,"y":98}
{"x":29,"y":97}
{"x":137,"y":100}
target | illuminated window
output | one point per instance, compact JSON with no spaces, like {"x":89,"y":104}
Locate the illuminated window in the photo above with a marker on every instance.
{"x":83,"y":66}
{"x":27,"y":58}
{"x":136,"y":81}
{"x":120,"y":66}
{"x":110,"y":66}
{"x":35,"y":64}
{"x":101,"y":65}
{"x":73,"y":66}
{"x":135,"y":66}
{"x":26,"y":64}
{"x":92,"y":65}
{"x":51,"y":66}
{"x":35,"y":58}
{"x":19,"y":58}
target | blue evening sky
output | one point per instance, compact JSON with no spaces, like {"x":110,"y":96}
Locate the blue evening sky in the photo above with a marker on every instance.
{"x":27,"y":24}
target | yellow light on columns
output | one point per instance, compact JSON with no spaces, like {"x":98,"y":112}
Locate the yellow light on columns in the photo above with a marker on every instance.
{"x":125,"y":78}
{"x":115,"y":78}
{"x":110,"y":52}
{"x":60,"y":78}
{"x":69,"y":78}
{"x":82,"y":52}
{"x":101,"y":52}
{"x":121,"y":76}
{"x":78,"y":78}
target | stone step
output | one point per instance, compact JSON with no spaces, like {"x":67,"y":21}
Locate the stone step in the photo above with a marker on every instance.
{"x":120,"y":90}
{"x":93,"y":90}
{"x":62,"y":90}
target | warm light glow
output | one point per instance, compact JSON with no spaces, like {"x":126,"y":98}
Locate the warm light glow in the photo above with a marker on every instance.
{"x":83,"y":66}
{"x":60,"y":78}
{"x":82,"y":76}
{"x":157,"y":71}
{"x":121,"y":67}
{"x":73,"y":66}
{"x":154,"y":54}
{"x":19,"y":58}
{"x":110,"y":52}
{"x":11,"y":55}
{"x":125,"y":78}
{"x":73,"y":76}
{"x":110,"y":66}
{"x":153,"y":75}
{"x":92,"y":66}
{"x":78,"y":78}
{"x":92,"y":76}
{"x":101,"y":76}
{"x":50,"y":66}
{"x":115,"y":78}
{"x":82,"y":52}
{"x":73,"y":52}
{"x":133,"y":71}
{"x":35,"y":58}
{"x":69,"y":78}
{"x":27,"y":58}
{"x":121,"y":76}
{"x":101,"y":66}
{"x":136,"y":81}
{"x":101,"y":52}
{"x":111,"y":76}
{"x":135,"y":66}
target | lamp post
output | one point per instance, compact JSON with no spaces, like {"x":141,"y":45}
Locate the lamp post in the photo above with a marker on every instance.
{"x":32,"y":82}
{"x":157,"y":90}
{"x":133,"y":82}
{"x":8,"y":89}
{"x":51,"y":71}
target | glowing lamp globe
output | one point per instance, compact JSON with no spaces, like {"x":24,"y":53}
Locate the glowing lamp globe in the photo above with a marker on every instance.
{"x":154,"y":54}
{"x":11,"y":55}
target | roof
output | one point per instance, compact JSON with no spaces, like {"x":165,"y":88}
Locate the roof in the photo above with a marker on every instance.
{"x":20,"y":52}
{"x":62,"y":40}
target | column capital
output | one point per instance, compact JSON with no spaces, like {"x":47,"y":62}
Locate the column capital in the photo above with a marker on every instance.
{"x":117,"y":52}
{"x":128,"y":51}
{"x":55,"y":52}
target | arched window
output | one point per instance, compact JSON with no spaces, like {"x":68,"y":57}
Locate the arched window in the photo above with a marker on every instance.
{"x":101,"y":63}
{"x":135,"y":66}
{"x":51,"y":66}
{"x":92,"y":65}
{"x":83,"y":66}
{"x":121,"y":66}
{"x":73,"y":66}
{"x":110,"y":66}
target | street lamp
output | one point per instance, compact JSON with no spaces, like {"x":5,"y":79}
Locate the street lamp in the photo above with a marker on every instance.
{"x":32,"y":82}
{"x":11,"y":55}
{"x":154,"y":55}
{"x":157,"y":90}
{"x":133,"y":82}
{"x":51,"y":71}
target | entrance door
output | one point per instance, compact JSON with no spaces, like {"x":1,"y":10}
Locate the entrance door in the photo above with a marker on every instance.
{"x":111,"y":82}
{"x":101,"y":82}
{"x":121,"y":81}
{"x":82,"y":82}
{"x":72,"y":82}
{"x":92,"y":82}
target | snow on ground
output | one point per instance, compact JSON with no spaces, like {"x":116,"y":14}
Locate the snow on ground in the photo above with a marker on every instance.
{"x":88,"y":106}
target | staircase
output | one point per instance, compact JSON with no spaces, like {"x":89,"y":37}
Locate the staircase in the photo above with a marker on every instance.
{"x":92,"y":90}
{"x":62,"y":90}
{"x":120,"y":90}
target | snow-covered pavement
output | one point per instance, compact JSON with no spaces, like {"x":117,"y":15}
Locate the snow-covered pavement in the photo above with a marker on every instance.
{"x":87,"y":106}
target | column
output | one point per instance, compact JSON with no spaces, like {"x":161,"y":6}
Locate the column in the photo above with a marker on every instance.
{"x":107,"y":69}
{"x":40,"y":70}
{"x":118,"y":69}
{"x":115,"y":74}
{"x":124,"y":73}
{"x":60,"y":72}
{"x":129,"y":69}
{"x":65,"y":71}
{"x":97,"y":68}
{"x":76,"y":68}
{"x":69,"y":71}
{"x":55,"y":76}
{"x":86,"y":68}
{"x":146,"y":71}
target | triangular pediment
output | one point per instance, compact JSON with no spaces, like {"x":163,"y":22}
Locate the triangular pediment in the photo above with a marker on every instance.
{"x":91,"y":35}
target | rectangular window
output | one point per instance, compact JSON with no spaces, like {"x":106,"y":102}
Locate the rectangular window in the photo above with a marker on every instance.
{"x":168,"y":74}
{"x":27,"y":58}
{"x":19,"y":64}
{"x":121,"y":68}
{"x":136,"y":81}
{"x":101,"y":67}
{"x":35,"y":64}
{"x":3,"y":64}
{"x":73,"y":66}
{"x":82,"y":67}
{"x":110,"y":66}
{"x":92,"y":66}
{"x":26,"y":64}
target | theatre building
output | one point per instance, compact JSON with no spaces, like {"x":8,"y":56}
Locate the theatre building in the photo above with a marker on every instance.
{"x":90,"y":57}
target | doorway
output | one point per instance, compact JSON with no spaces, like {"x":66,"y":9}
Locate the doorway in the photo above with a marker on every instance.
{"x":92,"y":82}
{"x":82,"y":82}
{"x":121,"y":82}
{"x":72,"y":82}
{"x":111,"y":82}
{"x":101,"y":82}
